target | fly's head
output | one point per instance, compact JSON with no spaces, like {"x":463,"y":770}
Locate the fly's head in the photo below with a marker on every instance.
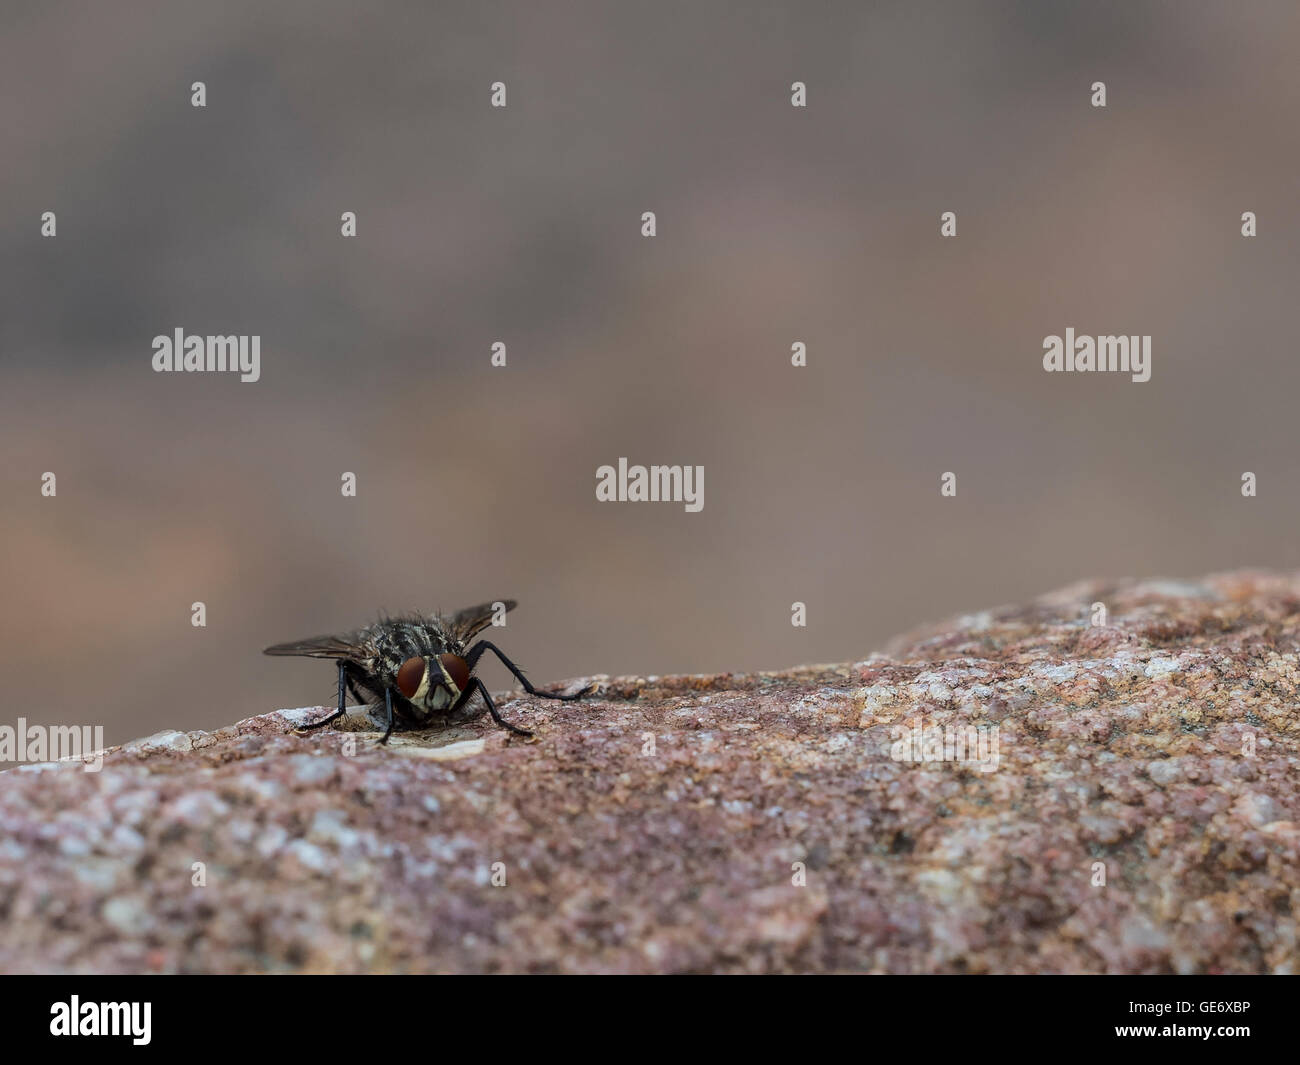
{"x":432,"y":682}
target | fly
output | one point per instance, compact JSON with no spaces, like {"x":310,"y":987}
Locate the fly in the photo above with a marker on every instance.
{"x":420,"y":667}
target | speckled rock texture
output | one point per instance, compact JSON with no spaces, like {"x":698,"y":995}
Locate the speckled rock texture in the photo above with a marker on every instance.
{"x":1030,"y":789}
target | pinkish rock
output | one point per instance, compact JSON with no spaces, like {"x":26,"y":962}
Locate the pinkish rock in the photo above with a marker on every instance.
{"x":1117,"y":798}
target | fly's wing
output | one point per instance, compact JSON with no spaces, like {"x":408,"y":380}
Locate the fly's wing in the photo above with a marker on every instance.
{"x":468,"y":623}
{"x":316,"y":647}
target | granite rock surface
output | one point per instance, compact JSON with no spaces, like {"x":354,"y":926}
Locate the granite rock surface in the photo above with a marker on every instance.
{"x":1104,"y":780}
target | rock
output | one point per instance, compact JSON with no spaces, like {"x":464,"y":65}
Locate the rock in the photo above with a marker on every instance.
{"x":1120,"y":797}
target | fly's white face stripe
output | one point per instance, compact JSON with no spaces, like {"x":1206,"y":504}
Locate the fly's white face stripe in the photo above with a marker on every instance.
{"x":422,"y":692}
{"x":436,"y":695}
{"x":448,"y":688}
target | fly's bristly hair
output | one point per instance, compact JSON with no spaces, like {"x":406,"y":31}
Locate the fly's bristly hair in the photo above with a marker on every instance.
{"x":374,"y":662}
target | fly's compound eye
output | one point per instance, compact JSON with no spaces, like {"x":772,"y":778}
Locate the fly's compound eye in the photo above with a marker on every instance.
{"x":411,"y":676}
{"x":457,"y":669}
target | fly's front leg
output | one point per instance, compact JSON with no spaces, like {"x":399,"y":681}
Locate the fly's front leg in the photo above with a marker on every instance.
{"x":476,"y":685}
{"x":476,"y":652}
{"x":388,"y":711}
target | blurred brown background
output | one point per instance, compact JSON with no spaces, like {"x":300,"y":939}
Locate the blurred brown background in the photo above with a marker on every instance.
{"x":522,"y":225}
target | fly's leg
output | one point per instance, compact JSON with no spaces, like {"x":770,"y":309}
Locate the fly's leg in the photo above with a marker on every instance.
{"x":388,"y":711}
{"x":476,"y":685}
{"x":476,"y":652}
{"x":343,"y":681}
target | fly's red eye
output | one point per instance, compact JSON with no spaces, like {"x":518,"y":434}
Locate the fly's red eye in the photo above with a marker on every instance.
{"x":457,"y":668}
{"x":411,"y":676}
